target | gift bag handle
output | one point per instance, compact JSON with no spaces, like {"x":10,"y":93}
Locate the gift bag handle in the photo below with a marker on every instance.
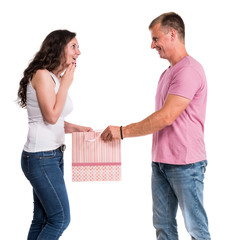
{"x":94,"y":139}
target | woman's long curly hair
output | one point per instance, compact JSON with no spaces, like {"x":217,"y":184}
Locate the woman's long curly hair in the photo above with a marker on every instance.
{"x":49,"y":57}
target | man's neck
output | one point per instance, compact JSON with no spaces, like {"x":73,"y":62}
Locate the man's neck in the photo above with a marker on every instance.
{"x":178,"y":54}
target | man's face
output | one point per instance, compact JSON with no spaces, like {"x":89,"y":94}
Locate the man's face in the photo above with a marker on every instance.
{"x":161,"y":41}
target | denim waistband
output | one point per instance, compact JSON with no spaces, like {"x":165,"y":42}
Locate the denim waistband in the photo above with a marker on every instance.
{"x":62,"y":148}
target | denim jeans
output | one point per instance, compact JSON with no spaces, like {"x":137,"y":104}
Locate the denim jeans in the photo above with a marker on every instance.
{"x":183,"y":185}
{"x":51,"y":216}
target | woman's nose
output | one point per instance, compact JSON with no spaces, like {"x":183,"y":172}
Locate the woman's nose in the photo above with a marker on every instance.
{"x":78,"y":52}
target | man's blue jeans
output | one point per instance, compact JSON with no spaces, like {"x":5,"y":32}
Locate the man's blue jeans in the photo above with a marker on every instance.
{"x":183,"y":185}
{"x":44,"y":170}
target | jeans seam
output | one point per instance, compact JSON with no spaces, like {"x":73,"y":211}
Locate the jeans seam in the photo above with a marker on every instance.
{"x":25,"y":164}
{"x":169,"y":231}
{"x":28,"y":164}
{"x":63,"y":215}
{"x":196,"y":205}
{"x":49,"y":156}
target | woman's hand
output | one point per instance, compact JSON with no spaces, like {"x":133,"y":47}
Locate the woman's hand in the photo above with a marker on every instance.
{"x":69,"y":128}
{"x":84,"y":129}
{"x":68,"y":76}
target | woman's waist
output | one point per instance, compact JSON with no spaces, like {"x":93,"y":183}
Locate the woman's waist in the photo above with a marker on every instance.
{"x":44,"y":138}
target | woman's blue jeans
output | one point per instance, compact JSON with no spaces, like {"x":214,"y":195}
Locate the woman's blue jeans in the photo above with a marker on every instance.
{"x":51,"y":216}
{"x":183,"y":185}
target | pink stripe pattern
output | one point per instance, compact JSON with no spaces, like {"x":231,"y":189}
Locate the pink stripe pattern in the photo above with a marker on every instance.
{"x":93,"y":159}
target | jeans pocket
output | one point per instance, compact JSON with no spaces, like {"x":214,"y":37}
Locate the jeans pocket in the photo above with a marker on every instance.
{"x":200,"y":169}
{"x":205,"y":163}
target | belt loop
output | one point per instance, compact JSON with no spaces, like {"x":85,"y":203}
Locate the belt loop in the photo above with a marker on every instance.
{"x":161,"y":167}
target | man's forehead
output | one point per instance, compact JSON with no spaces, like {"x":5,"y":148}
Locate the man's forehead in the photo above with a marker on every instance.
{"x":156,"y":26}
{"x":155,"y":30}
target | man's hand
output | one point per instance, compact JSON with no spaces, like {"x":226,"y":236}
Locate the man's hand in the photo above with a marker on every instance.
{"x":111,"y":133}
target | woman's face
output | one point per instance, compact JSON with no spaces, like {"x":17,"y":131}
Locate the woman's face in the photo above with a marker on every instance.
{"x":72,"y":52}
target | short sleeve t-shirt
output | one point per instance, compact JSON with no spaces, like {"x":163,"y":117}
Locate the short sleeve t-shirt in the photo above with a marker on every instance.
{"x":183,"y":141}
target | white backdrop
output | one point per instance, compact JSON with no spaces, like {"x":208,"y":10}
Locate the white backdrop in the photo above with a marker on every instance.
{"x":115,"y":83}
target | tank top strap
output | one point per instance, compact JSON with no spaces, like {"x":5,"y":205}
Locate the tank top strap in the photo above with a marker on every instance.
{"x":55,"y":79}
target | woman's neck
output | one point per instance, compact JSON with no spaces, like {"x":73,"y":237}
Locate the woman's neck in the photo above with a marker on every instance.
{"x":57,"y":72}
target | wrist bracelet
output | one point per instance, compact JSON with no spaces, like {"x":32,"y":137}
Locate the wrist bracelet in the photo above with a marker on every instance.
{"x":121,"y":132}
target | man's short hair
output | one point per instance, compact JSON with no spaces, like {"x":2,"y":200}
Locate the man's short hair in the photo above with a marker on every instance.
{"x":168,"y":21}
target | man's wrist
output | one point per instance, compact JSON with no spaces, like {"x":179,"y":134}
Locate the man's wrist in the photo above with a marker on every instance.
{"x":121,"y":133}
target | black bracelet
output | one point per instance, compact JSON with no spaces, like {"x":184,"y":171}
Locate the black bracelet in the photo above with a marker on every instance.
{"x":121,"y":132}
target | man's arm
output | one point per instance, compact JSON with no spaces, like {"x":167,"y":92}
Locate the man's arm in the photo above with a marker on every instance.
{"x":172,"y":108}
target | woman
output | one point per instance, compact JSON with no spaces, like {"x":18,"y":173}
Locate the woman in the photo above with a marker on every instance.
{"x":44,"y":91}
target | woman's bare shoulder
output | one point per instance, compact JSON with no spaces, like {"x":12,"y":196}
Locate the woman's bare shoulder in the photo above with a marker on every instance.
{"x":41,"y":76}
{"x":41,"y":73}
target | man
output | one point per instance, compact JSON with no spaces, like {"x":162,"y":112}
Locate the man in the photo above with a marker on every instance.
{"x":177,"y":125}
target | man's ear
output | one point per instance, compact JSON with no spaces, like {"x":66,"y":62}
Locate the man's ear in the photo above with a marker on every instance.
{"x":173,"y":34}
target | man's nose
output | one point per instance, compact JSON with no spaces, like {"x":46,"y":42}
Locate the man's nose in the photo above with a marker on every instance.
{"x":153,"y":45}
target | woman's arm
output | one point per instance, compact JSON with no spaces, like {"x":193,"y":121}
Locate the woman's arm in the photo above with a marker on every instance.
{"x":69,"y":128}
{"x":52,"y":104}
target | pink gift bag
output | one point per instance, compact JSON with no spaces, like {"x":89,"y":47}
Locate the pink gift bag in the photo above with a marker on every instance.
{"x":93,"y":159}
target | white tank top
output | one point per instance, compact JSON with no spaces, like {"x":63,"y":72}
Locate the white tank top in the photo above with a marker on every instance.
{"x":43,"y":136}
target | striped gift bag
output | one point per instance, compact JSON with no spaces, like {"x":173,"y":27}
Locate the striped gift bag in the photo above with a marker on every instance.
{"x":93,"y":159}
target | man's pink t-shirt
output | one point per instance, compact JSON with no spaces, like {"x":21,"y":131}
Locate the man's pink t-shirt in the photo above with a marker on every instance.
{"x":183,"y":141}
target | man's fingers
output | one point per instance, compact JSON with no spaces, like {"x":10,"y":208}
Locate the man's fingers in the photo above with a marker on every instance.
{"x":105,"y":134}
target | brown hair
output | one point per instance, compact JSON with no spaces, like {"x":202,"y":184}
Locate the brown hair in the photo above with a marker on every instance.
{"x":49,"y":57}
{"x":170,"y":20}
